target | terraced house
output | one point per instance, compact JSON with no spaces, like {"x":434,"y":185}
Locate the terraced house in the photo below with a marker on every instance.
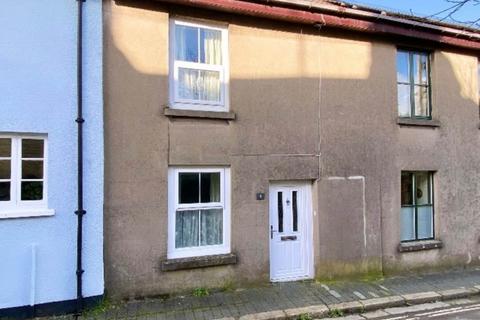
{"x":257,"y":141}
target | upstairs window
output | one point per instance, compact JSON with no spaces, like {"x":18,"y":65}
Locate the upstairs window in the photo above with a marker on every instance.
{"x":23,"y":181}
{"x":413,"y":84}
{"x":417,"y":206}
{"x":198,"y":67}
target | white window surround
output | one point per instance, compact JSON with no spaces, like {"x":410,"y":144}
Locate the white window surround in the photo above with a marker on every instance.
{"x":15,"y":207}
{"x":174,"y":205}
{"x":176,"y":102}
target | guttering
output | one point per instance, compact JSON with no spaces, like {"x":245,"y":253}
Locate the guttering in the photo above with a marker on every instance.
{"x":80,"y":212}
{"x":329,"y":20}
{"x":372,"y":14}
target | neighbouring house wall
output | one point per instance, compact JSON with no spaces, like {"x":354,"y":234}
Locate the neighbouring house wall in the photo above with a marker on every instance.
{"x":451,"y":151}
{"x":38,"y":42}
{"x":310,"y":105}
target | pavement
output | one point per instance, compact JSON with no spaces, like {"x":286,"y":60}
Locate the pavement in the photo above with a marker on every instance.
{"x":303,"y":300}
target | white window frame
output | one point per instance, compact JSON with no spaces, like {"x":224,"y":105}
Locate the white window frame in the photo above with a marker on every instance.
{"x":173,"y":205}
{"x":17,"y":208}
{"x":201,"y":105}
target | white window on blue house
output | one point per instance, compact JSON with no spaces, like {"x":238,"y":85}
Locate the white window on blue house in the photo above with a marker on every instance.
{"x":23,"y":181}
{"x":199,"y":212}
{"x":198,"y":66}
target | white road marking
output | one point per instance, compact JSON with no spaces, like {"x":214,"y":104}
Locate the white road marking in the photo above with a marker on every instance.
{"x":373,"y":294}
{"x":359,"y":295}
{"x":335,"y":294}
{"x":453,"y":312}
{"x":332,"y":292}
{"x":383,"y":287}
{"x":436,"y":311}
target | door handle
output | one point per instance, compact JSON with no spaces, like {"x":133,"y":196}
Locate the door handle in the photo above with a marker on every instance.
{"x":271,"y":232}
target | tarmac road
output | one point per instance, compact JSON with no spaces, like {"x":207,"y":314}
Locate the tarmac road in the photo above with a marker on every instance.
{"x":469,"y":311}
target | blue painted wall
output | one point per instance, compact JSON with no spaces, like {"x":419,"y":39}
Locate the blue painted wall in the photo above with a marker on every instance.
{"x":38,"y":95}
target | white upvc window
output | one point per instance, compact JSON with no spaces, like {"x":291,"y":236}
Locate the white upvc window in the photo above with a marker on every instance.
{"x":23,"y":178}
{"x":198,"y":66}
{"x":198,"y":212}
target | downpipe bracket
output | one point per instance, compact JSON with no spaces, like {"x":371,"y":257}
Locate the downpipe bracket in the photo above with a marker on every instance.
{"x":81,"y":212}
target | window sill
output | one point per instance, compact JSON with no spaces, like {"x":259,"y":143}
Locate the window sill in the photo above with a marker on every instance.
{"x":418,"y":122}
{"x":198,"y":262}
{"x":420,"y":245}
{"x":180,"y":113}
{"x":26,"y":213}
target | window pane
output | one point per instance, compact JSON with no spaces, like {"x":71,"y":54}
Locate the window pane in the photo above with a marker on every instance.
{"x":280,"y":211}
{"x":5,"y":147}
{"x":5,"y":170}
{"x":402,"y":67}
{"x":425,"y":222}
{"x":186,"y":42}
{"x":210,"y":187}
{"x":404,"y":108}
{"x":189,"y":185}
{"x":32,"y":190}
{"x":422,"y":180}
{"x":187,"y":83}
{"x":209,"y":85}
{"x":210,"y":46}
{"x":186,"y":229}
{"x":198,"y":84}
{"x":421,"y":101}
{"x":211,"y":227}
{"x":406,"y":188}
{"x":32,"y":148}
{"x":420,"y":71}
{"x":294,"y":209}
{"x":32,"y":169}
{"x":4,"y":191}
{"x":407,"y":224}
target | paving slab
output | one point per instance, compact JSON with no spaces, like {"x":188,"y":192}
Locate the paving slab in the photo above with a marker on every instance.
{"x":416,"y":308}
{"x":459,"y":302}
{"x":374,"y":314}
{"x":270,"y":315}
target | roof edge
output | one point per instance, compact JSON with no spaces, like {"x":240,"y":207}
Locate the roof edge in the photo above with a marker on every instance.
{"x":321,"y":13}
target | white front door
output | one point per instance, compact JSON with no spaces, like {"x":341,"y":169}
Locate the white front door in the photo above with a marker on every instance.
{"x":290,"y":232}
